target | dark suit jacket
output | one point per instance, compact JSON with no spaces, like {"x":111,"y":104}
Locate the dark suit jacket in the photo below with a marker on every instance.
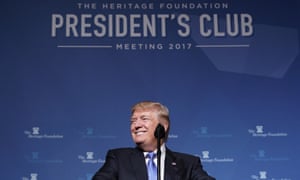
{"x":129,"y":164}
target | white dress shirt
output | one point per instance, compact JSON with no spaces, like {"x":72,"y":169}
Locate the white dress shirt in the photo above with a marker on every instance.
{"x":162,"y":160}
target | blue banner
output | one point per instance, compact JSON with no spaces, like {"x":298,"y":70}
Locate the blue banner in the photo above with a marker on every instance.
{"x":227,"y":70}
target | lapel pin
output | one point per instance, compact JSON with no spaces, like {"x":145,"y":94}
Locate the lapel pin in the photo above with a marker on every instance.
{"x":174,"y":163}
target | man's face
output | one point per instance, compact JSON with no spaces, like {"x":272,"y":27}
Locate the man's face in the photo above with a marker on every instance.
{"x":143,"y":125}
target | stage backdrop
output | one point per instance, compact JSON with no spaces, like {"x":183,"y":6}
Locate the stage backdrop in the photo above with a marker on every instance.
{"x":227,"y":70}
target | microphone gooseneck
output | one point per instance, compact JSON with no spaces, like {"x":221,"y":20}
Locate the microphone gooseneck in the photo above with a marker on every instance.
{"x":159,"y":134}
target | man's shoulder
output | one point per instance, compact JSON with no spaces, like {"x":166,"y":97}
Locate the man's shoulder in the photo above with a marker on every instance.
{"x":125,"y":154}
{"x":123,"y":150}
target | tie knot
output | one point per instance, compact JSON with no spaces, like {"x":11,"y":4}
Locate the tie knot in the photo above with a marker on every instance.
{"x":151,"y":155}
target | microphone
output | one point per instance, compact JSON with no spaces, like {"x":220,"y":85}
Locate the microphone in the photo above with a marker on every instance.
{"x":159,"y":132}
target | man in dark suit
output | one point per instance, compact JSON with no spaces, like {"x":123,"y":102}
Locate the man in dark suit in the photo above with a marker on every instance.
{"x":130,"y":163}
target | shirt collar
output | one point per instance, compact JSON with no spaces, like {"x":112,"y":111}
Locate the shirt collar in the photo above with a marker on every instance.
{"x":162,"y":149}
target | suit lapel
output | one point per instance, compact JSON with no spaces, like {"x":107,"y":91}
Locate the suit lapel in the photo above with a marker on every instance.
{"x":172,"y":166}
{"x":137,"y":161}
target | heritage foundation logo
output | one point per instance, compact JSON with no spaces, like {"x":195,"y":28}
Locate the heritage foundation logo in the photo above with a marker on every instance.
{"x":33,"y":176}
{"x":206,"y":158}
{"x":264,"y":175}
{"x":36,"y":133}
{"x":262,"y":155}
{"x":203,"y":132}
{"x":89,"y":158}
{"x":260,"y":131}
{"x":91,"y":133}
{"x":36,"y":158}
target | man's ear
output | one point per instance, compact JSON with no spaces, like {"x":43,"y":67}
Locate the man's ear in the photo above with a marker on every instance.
{"x":165,"y":125}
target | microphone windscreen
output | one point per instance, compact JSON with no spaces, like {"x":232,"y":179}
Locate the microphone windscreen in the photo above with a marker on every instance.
{"x":160,"y":131}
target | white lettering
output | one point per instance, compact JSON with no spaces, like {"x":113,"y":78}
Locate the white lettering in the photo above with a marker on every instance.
{"x":182,"y":21}
{"x":71,"y":23}
{"x":57,"y":22}
{"x":85,"y":25}
{"x":246,"y":25}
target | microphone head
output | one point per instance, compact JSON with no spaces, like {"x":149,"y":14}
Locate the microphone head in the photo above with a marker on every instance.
{"x":160,"y":131}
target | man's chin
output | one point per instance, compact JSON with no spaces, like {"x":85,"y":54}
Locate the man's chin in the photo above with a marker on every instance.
{"x":145,"y":147}
{"x":138,"y":142}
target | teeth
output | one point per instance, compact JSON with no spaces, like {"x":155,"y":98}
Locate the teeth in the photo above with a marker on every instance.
{"x":139,"y":133}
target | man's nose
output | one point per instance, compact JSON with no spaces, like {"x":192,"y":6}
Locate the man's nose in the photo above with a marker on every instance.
{"x":138,"y":123}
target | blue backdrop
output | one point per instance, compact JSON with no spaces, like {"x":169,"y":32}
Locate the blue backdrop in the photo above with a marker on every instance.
{"x":228,"y":71}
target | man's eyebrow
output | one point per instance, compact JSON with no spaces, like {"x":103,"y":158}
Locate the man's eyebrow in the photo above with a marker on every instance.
{"x":142,"y":116}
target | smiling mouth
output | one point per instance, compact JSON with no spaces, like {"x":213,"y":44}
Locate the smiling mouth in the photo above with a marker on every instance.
{"x":139,"y":132}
